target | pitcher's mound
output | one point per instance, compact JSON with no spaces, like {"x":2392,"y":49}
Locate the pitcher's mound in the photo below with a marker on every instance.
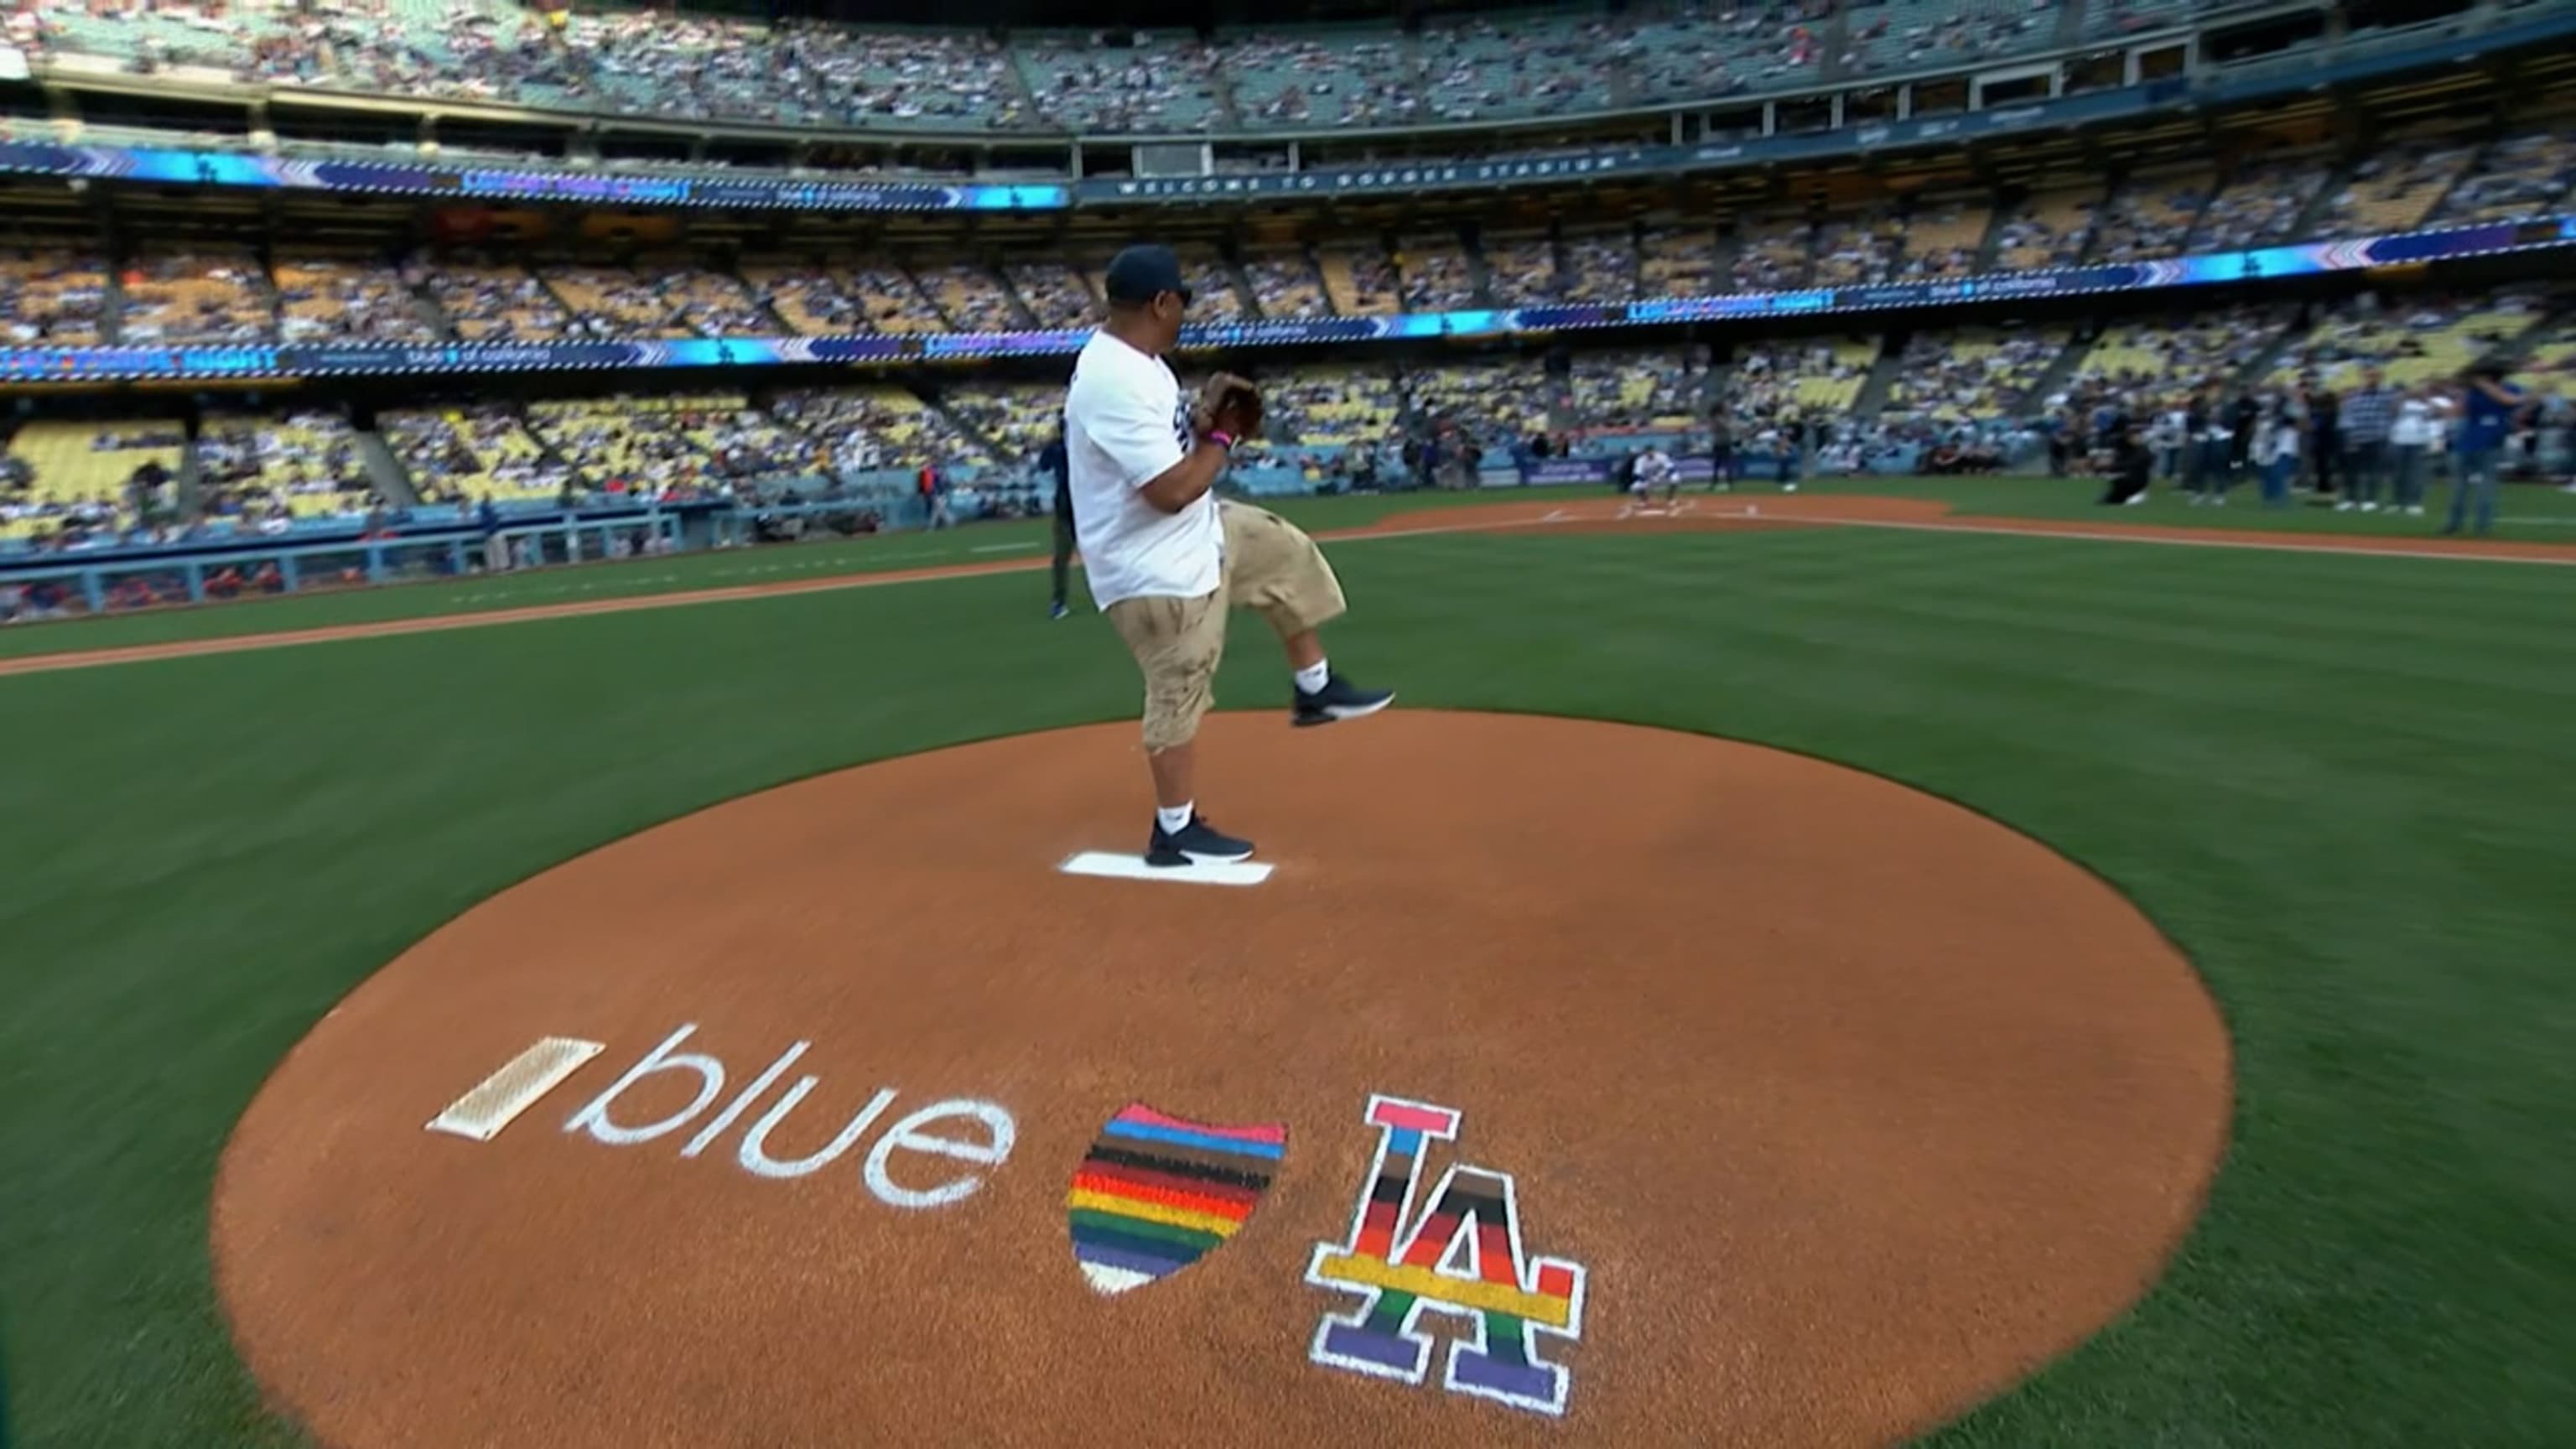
{"x":1565,"y":1082}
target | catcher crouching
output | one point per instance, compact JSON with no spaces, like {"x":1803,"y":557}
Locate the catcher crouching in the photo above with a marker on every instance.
{"x":1165,"y":558}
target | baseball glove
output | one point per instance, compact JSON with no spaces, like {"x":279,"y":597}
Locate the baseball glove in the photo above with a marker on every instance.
{"x":1228,"y":404}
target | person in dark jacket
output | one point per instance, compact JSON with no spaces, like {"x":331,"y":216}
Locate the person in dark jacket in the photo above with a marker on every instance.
{"x":1052,"y":463}
{"x":2132,"y":463}
{"x":2242,"y":419}
{"x":2325,"y":443}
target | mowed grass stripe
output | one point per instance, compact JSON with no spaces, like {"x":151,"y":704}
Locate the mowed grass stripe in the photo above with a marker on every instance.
{"x":2064,"y":500}
{"x":205,"y":854}
{"x":2264,"y":623}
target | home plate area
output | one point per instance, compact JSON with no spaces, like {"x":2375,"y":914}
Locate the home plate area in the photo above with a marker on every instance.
{"x":1561,"y":1082}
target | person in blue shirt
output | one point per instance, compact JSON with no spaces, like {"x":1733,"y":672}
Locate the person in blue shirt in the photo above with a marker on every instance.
{"x":2487,"y":406}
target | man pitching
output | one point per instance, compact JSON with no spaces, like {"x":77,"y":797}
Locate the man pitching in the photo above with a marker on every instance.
{"x":1165,"y":559}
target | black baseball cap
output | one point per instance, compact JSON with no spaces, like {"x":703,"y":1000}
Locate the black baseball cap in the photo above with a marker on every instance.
{"x":1143,"y":272}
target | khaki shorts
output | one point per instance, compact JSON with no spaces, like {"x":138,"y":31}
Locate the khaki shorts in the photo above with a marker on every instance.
{"x":1270,"y":565}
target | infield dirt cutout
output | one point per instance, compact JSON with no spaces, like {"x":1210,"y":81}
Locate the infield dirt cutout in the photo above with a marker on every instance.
{"x":1784,"y":1106}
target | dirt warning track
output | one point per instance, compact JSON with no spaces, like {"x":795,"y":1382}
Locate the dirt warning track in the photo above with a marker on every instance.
{"x":1567,"y":1084}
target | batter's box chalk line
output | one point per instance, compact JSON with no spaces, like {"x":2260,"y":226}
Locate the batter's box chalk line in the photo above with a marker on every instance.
{"x":1118,"y":865}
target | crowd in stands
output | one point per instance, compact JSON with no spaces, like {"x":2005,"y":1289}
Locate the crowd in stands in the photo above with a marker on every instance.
{"x":1855,"y":252}
{"x":1640,"y":388}
{"x":1356,"y":78}
{"x":1711,"y":48}
{"x":656,"y":298}
{"x":1017,"y":419}
{"x":1055,"y":293}
{"x":1480,"y":69}
{"x":70,"y":482}
{"x":2110,"y":18}
{"x":1947,"y":378}
{"x":652,"y":444}
{"x":1287,"y":284}
{"x":1603,"y":265}
{"x":2159,"y":354}
{"x":1538,"y":62}
{"x":1359,"y":279}
{"x":57,"y":290}
{"x":1945,"y":240}
{"x":2052,"y":227}
{"x":334,"y":298}
{"x":1774,"y":252}
{"x":2526,"y":174}
{"x":2422,"y":339}
{"x":1437,"y":276}
{"x":53,"y":296}
{"x":195,"y":296}
{"x":272,"y":471}
{"x":495,"y":302}
{"x":1677,"y":261}
{"x":1124,"y":82}
{"x":968,"y":297}
{"x":1948,"y":400}
{"x":469,"y":454}
{"x":2396,"y":187}
{"x":2152,"y":215}
{"x":858,"y":430}
{"x":1215,"y":297}
{"x":1800,"y":380}
{"x":1330,"y":406}
{"x":1900,"y":35}
{"x":2260,"y":205}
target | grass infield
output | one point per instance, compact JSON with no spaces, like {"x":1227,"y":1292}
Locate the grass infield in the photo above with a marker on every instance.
{"x":2337,"y":781}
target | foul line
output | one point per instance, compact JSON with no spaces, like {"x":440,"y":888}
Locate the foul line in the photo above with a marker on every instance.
{"x":738,"y":593}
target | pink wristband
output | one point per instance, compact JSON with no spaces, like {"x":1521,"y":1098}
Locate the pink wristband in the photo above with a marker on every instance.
{"x":1221,"y":438}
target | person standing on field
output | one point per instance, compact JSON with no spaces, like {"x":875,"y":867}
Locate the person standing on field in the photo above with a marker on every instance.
{"x":2367,"y":417}
{"x":496,"y":549}
{"x":2410,"y":441}
{"x":1165,"y":559}
{"x":2487,"y":407}
{"x":1051,"y":463}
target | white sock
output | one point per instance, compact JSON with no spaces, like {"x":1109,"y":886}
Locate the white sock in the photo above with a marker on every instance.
{"x":1176,"y":818}
{"x":1313,"y":676}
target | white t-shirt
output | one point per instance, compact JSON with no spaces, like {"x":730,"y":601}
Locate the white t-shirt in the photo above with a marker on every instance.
{"x":1124,"y":424}
{"x":2413,"y":426}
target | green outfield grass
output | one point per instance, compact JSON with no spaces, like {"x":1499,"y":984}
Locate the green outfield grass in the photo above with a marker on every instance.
{"x":984,"y":543}
{"x":2539,"y":514}
{"x":2338,"y":781}
{"x":2532,"y":512}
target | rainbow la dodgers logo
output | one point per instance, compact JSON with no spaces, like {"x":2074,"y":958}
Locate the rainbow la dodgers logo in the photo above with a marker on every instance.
{"x":1462,"y":1256}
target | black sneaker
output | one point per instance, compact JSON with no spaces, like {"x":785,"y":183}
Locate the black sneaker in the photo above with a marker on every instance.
{"x":1197,"y":843}
{"x":1338,"y":699}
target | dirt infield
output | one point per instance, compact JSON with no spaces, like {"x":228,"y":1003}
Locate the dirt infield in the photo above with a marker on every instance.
{"x":1591,"y":514}
{"x":1568,"y":1083}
